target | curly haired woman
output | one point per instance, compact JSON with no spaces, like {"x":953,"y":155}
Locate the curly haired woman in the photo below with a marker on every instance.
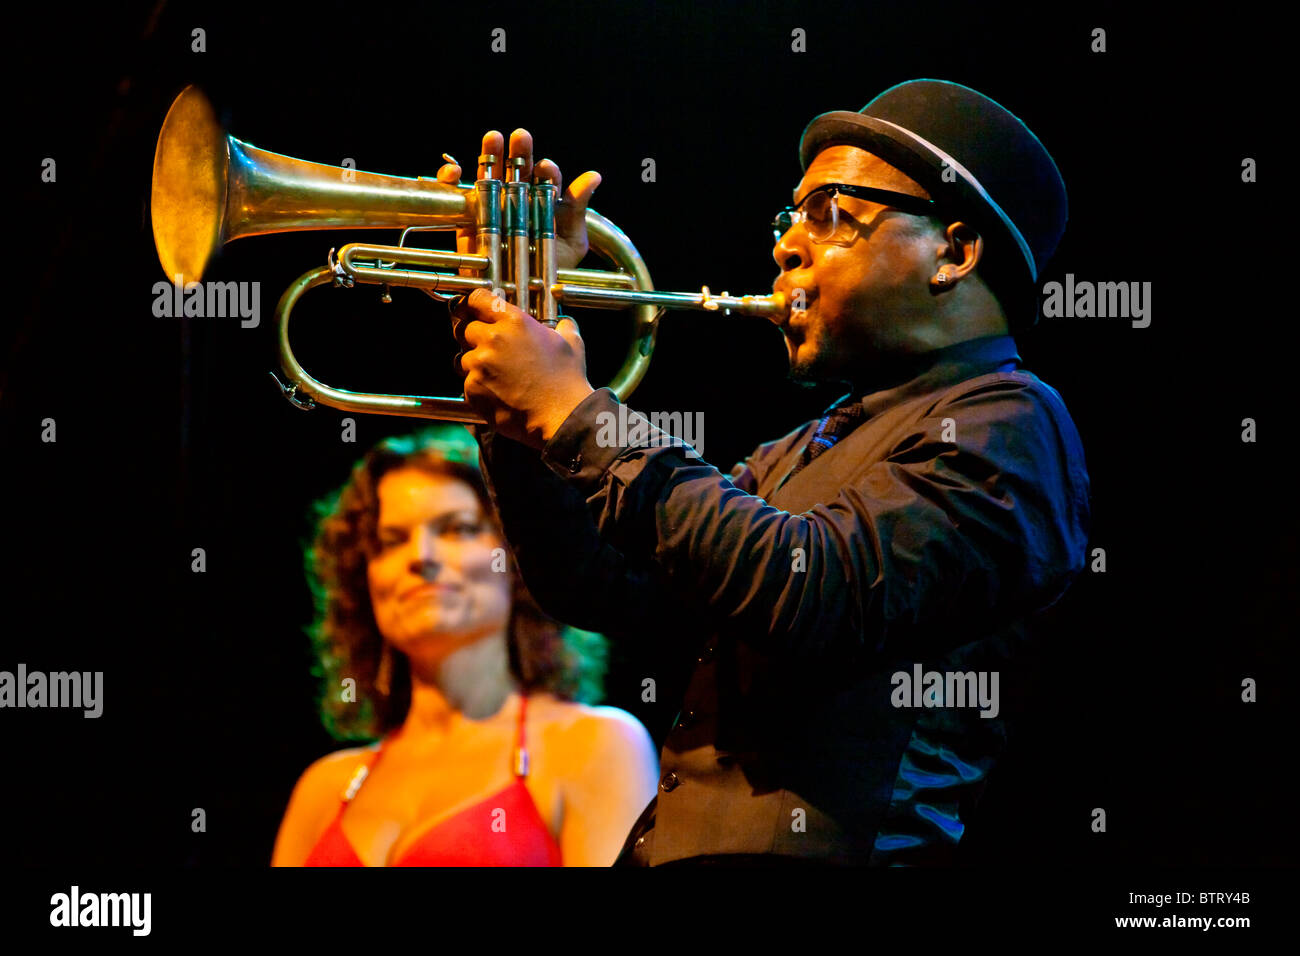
{"x":428,"y":640}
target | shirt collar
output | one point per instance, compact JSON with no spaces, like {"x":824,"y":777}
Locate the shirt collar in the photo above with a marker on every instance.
{"x":930,"y":371}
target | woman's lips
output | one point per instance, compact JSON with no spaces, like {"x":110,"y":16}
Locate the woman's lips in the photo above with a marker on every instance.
{"x":428,"y":590}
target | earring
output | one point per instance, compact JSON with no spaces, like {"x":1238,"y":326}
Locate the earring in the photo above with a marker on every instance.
{"x":384,"y":673}
{"x":943,"y":276}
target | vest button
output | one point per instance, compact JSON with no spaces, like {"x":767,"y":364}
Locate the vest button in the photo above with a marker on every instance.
{"x":670,"y":782}
{"x":706,"y":654}
{"x":687,"y":720}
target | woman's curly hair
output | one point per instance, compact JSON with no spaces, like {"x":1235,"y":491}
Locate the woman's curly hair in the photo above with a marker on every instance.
{"x":544,"y":654}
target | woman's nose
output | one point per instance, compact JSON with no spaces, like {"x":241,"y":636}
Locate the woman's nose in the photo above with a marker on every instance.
{"x":425,"y":557}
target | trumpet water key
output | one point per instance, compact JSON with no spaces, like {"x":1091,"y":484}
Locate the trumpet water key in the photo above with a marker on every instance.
{"x":210,"y":188}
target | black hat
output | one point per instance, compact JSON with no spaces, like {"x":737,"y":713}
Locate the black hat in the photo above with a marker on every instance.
{"x":1003,"y":177}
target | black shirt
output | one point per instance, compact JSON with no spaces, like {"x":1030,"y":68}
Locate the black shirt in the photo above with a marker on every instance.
{"x":917,"y":544}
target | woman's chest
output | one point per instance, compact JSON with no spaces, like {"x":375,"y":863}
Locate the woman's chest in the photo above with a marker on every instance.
{"x":408,"y":795}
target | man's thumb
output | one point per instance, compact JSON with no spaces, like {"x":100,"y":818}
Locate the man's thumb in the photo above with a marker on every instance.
{"x":569,"y":330}
{"x":584,"y":186}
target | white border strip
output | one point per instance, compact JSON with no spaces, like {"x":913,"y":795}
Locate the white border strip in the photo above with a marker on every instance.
{"x":972,"y":181}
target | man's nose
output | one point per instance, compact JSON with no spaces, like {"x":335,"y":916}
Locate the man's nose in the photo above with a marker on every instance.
{"x":790,"y":253}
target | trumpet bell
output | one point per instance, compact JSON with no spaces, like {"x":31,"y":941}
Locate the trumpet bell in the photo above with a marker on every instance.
{"x":210,"y":188}
{"x":188,"y":202}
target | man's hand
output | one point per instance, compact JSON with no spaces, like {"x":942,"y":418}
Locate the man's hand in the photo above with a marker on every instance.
{"x":523,"y":377}
{"x":570,"y":210}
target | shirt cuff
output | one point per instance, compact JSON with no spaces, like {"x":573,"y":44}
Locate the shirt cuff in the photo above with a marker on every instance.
{"x":599,"y":432}
{"x":574,"y":452}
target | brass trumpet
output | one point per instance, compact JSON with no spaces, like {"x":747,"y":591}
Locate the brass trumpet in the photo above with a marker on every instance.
{"x":210,"y":188}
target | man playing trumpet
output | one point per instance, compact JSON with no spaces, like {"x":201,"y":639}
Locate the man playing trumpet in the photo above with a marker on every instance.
{"x":908,"y":532}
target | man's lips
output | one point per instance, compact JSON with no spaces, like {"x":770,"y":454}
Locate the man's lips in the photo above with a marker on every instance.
{"x":793,"y":320}
{"x":787,"y":321}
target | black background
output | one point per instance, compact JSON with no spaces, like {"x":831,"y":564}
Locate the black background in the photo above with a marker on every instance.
{"x":171,"y":435}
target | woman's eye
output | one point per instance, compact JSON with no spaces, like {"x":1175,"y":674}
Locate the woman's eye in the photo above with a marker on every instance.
{"x":466,"y":528}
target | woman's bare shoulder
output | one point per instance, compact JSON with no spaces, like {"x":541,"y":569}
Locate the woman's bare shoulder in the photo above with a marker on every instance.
{"x":315,"y":799}
{"x":585,"y":724}
{"x":332,"y":771}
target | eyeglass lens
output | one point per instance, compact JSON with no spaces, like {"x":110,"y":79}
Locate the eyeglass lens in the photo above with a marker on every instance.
{"x":819,"y":213}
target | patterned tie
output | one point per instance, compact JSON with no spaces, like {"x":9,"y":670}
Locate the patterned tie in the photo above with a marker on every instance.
{"x":838,"y":422}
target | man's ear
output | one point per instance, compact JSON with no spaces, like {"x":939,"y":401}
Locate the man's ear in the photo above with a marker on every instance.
{"x":963,"y":250}
{"x":966,"y":247}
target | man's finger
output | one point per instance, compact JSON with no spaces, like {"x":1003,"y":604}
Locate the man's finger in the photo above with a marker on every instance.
{"x":459,"y":322}
{"x":521,"y":145}
{"x":460,"y":316}
{"x":481,"y":305}
{"x":449,"y":173}
{"x":547,"y":170}
{"x":568,"y":330}
{"x":467,"y":332}
{"x":484,"y":302}
{"x":493,"y":144}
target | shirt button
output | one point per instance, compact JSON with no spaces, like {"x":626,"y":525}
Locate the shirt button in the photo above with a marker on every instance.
{"x":575,"y":464}
{"x":670,"y":782}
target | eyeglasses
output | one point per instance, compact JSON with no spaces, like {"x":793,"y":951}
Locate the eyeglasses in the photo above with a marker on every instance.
{"x":820,"y":212}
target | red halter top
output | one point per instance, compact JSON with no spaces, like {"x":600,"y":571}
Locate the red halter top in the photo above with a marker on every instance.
{"x":504,"y":829}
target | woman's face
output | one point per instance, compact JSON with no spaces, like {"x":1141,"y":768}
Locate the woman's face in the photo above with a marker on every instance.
{"x":432,"y":583}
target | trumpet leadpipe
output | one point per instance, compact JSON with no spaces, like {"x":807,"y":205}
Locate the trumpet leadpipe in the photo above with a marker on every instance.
{"x":584,"y":287}
{"x":766,"y":306}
